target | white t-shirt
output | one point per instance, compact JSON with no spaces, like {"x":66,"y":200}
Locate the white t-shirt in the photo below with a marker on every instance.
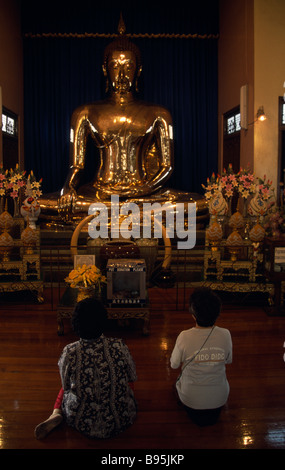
{"x":203,"y":383}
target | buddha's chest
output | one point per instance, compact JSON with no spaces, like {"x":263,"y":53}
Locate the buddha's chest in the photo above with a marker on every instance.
{"x":124,"y":125}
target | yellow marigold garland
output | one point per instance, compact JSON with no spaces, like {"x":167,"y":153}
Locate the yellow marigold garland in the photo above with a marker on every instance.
{"x":86,"y":276}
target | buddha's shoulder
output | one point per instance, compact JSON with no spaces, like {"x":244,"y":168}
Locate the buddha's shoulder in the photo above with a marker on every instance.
{"x":138,"y":107}
{"x":155,"y":110}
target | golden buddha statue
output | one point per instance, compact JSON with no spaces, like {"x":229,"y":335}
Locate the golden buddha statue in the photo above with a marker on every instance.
{"x":134,"y":138}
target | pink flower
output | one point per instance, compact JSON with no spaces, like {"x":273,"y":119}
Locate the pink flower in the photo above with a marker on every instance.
{"x":242,"y":178}
{"x":14,"y":194}
{"x":232,"y":177}
{"x":265,"y":192}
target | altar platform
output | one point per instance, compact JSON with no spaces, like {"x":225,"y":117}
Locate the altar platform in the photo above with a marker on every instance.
{"x":56,"y":258}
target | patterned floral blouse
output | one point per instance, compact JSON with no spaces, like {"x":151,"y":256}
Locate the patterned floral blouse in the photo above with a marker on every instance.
{"x":95,"y":375}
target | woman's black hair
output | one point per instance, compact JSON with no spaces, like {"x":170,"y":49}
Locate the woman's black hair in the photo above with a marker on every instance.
{"x":89,"y":318}
{"x":205,"y":305}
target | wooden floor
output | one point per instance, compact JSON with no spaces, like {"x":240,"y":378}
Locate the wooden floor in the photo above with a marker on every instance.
{"x":254,"y":417}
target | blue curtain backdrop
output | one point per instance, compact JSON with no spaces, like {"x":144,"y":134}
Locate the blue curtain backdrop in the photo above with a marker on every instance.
{"x":63,"y":72}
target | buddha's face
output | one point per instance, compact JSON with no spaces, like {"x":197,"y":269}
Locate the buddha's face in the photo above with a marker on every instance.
{"x":122,"y":70}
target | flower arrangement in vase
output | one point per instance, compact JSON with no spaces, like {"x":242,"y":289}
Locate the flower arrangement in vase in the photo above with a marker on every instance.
{"x":30,"y":208}
{"x":15,"y":184}
{"x":243,"y":184}
{"x":225,"y":184}
{"x":260,"y":203}
{"x":254,"y":196}
{"x":275,"y":223}
{"x":87,"y":279}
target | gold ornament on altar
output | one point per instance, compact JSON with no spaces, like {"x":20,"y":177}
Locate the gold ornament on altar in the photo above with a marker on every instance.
{"x":6,"y":241}
{"x":6,"y":220}
{"x":29,"y":239}
{"x":234,"y":243}
{"x":87,"y":279}
{"x":236,"y":220}
{"x":257,"y":233}
{"x":215,"y":234}
{"x":6,"y":245}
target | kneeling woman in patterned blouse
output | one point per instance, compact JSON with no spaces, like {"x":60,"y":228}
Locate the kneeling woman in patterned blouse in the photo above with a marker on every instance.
{"x":96,"y":371}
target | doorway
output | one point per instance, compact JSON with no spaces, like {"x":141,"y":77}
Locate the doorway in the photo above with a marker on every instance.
{"x":231,"y":140}
{"x":10,"y":139}
{"x":231,"y":145}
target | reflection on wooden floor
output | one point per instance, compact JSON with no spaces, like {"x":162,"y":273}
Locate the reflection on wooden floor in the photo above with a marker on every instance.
{"x":254,"y":417}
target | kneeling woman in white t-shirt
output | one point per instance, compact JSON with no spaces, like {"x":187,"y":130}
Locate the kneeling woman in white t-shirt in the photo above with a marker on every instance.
{"x":203,"y":352}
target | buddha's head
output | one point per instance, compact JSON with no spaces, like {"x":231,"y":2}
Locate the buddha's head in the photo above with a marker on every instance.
{"x":122,"y":64}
